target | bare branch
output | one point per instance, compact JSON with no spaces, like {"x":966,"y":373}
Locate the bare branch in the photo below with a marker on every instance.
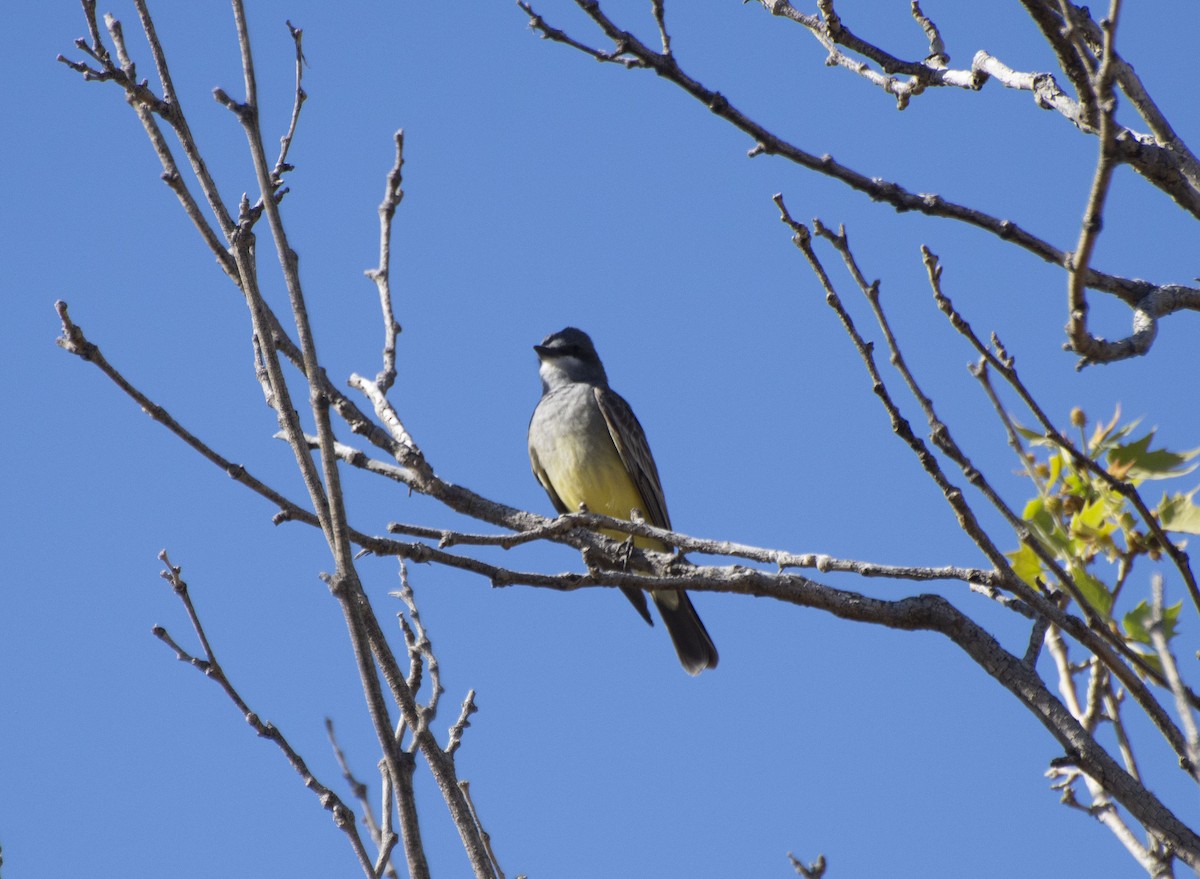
{"x":1082,"y":342}
{"x":392,"y":195}
{"x":656,"y":6}
{"x":1160,"y":156}
{"x":385,"y":840}
{"x":1006,"y":367}
{"x":985,"y":582}
{"x":1183,"y":705}
{"x":815,"y":870}
{"x":147,"y":106}
{"x":537,"y":23}
{"x":1149,"y":301}
{"x":208,"y":665}
{"x":285,"y":143}
{"x":460,"y":725}
{"x":465,"y":786}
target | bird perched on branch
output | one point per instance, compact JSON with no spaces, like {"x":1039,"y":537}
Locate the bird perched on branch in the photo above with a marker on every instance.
{"x":588,"y":449}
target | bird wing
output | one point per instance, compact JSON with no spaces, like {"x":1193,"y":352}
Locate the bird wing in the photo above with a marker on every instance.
{"x":544,"y":479}
{"x":692,"y":642}
{"x":630,"y":440}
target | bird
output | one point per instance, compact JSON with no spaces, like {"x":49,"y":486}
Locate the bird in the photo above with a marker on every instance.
{"x":588,"y":450}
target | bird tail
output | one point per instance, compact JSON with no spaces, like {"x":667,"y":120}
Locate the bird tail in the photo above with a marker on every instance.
{"x":695,"y":648}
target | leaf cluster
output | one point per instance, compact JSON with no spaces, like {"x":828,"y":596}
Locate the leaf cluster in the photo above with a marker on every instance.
{"x":1082,"y":515}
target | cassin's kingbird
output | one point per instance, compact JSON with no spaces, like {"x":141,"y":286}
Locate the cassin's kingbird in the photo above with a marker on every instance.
{"x":587,"y":448}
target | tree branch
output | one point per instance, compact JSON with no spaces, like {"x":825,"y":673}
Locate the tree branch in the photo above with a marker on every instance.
{"x":207,"y":664}
{"x":1149,"y":301}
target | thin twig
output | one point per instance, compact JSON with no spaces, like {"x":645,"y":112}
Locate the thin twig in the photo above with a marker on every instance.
{"x":657,"y":8}
{"x":146,"y":105}
{"x":208,"y":665}
{"x":537,"y":23}
{"x":285,"y":143}
{"x":1006,"y":367}
{"x":1082,"y":342}
{"x":1097,"y":637}
{"x":1101,"y":807}
{"x":421,"y":654}
{"x":383,"y":837}
{"x":1183,"y":706}
{"x":1149,"y":301}
{"x":460,"y":725}
{"x":381,"y":275}
{"x":465,"y":786}
{"x":815,"y":870}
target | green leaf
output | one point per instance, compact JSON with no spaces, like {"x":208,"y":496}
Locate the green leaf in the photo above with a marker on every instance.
{"x":1056,"y":468}
{"x":1178,"y":513}
{"x":1034,"y":436}
{"x":1137,"y":622}
{"x":1026,"y":564}
{"x":1044,"y":525}
{"x":1094,"y":591}
{"x":1145,"y":464}
{"x":1151,"y":659}
{"x":1091,"y":519}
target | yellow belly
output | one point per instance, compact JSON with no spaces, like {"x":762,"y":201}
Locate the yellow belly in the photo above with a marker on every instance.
{"x":592,"y":474}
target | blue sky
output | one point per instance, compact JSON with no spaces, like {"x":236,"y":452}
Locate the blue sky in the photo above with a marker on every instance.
{"x":543,"y":189}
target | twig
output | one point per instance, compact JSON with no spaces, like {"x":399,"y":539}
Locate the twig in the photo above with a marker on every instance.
{"x":465,"y":786}
{"x":1037,"y":637}
{"x":420,"y":651}
{"x":537,"y":23}
{"x":1082,"y":342}
{"x":940,"y":436}
{"x":383,"y":837}
{"x":1098,"y":638}
{"x":285,"y":143}
{"x":778,"y":558}
{"x":1097,"y":629}
{"x":387,"y":795}
{"x":208,"y":665}
{"x":815,"y":870}
{"x":173,"y":113}
{"x":802,"y":239}
{"x":1112,"y":708}
{"x":74,"y":341}
{"x":657,"y":8}
{"x":1006,"y":367}
{"x":1182,"y":158}
{"x":1183,"y":706}
{"x":147,"y":105}
{"x":1150,"y":301}
{"x":460,"y":725}
{"x":1065,"y":772}
{"x":381,"y":275}
{"x":405,"y":448}
{"x":324,"y":485}
{"x":1160,"y":156}
{"x":830,"y":31}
